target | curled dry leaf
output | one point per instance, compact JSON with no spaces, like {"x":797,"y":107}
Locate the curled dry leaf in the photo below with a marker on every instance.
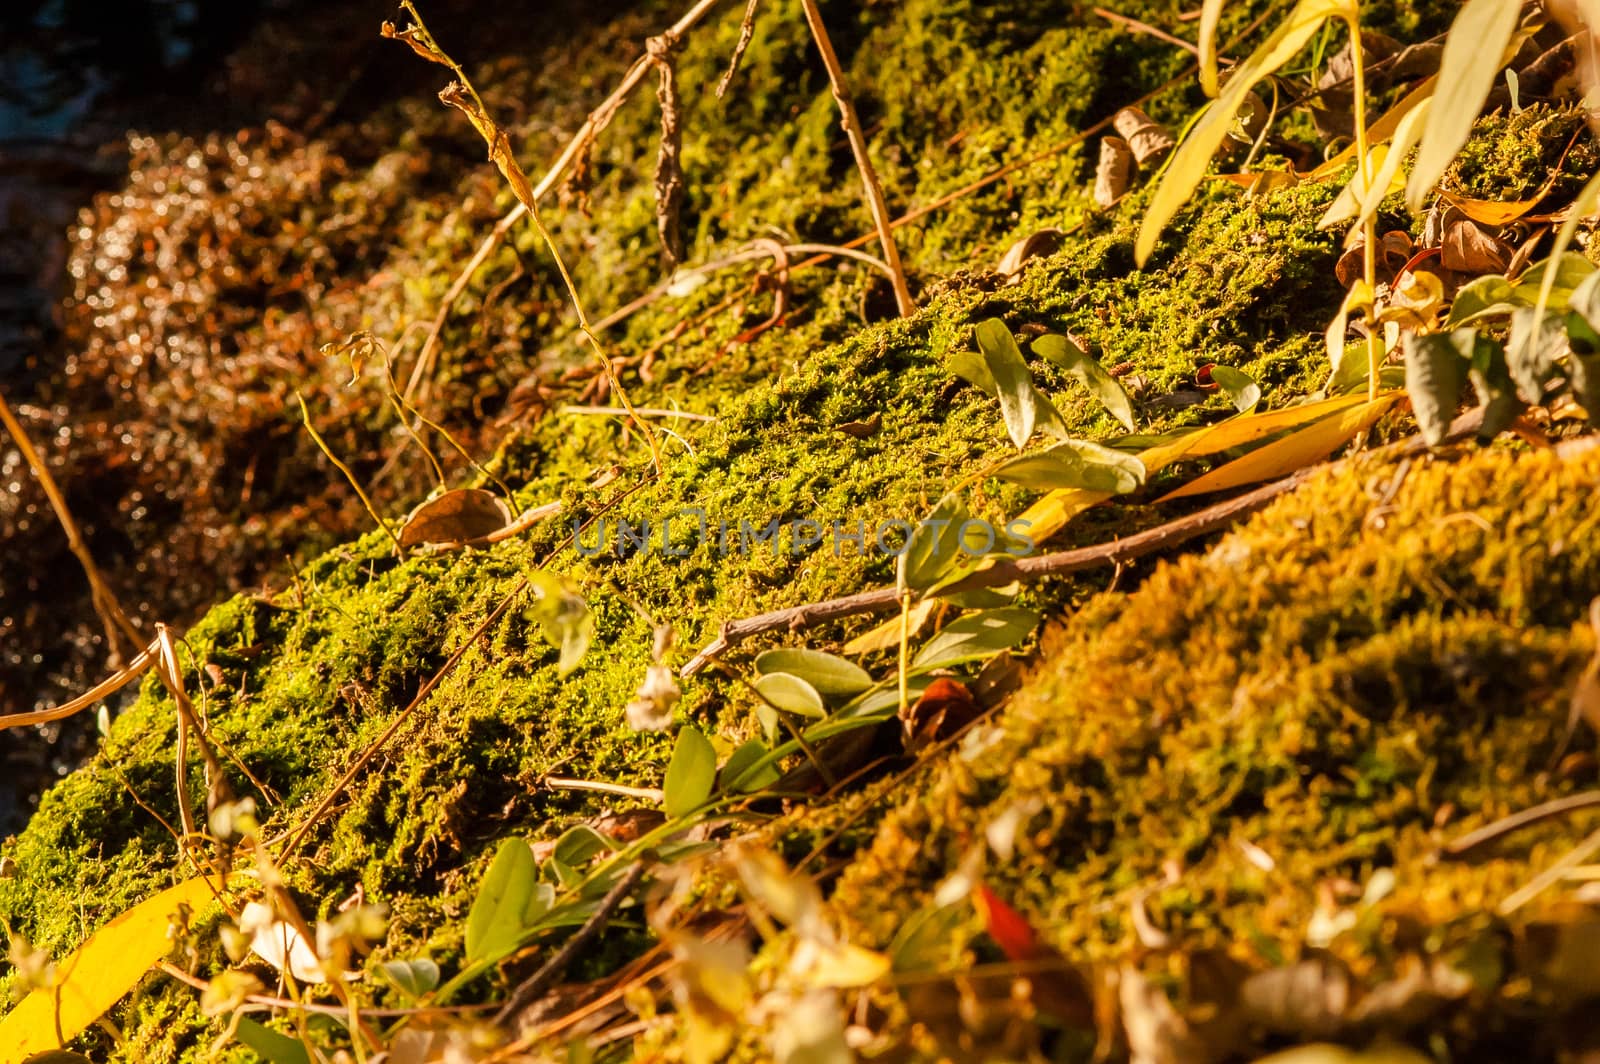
{"x":1394,"y":251}
{"x":455,"y":517}
{"x":1147,"y":139}
{"x":945,"y":708}
{"x":1111,"y":175}
{"x":1034,"y":245}
{"x":864,"y":429}
{"x":1470,"y":248}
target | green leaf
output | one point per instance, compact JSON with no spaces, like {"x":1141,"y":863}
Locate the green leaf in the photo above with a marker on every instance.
{"x":1011,"y":378}
{"x":736,"y":774}
{"x":833,"y":677}
{"x":970,"y":367}
{"x":495,"y":924}
{"x":886,"y":697}
{"x":272,"y":1046}
{"x":1075,"y":464}
{"x":1436,"y":367}
{"x":690,"y":773}
{"x":1585,"y":302}
{"x":416,"y":976}
{"x":1492,"y":381}
{"x":924,"y":942}
{"x":977,"y":636}
{"x":564,"y":617}
{"x":580,"y":844}
{"x":1532,"y":348}
{"x":1474,"y":52}
{"x":1244,"y":391}
{"x":1189,"y":162}
{"x":1077,"y":364}
{"x":791,"y":694}
{"x":1564,"y":274}
{"x":935,"y":544}
{"x":1483,"y":297}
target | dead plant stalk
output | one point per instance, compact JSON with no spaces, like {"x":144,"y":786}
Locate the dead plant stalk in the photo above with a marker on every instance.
{"x":858,"y":147}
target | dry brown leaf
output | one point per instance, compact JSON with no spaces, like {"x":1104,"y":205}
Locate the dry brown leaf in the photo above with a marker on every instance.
{"x":945,"y":708}
{"x":864,"y":429}
{"x":1147,"y":139}
{"x":455,"y":517}
{"x":1111,"y":175}
{"x":1469,"y":248}
{"x":1033,"y":246}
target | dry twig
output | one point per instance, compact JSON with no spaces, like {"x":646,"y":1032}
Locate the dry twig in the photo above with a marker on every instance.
{"x":858,"y":146}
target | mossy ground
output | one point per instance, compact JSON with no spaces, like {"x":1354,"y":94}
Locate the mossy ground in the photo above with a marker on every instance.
{"x":1366,"y":665}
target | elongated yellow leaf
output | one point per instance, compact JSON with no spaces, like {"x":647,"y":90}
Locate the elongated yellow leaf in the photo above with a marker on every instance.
{"x":99,"y":973}
{"x":887,"y":634}
{"x":1360,"y":199}
{"x":1293,"y":452}
{"x":1210,"y":15}
{"x":1381,"y":130}
{"x":1194,"y":155}
{"x":1474,"y":52}
{"x":1052,"y":513}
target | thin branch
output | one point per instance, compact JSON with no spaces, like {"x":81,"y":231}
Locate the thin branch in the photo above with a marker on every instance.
{"x":597,"y":121}
{"x":112,"y":616}
{"x":858,"y":146}
{"x":1118,"y":552}
{"x":540,"y":980}
{"x":648,"y":794}
{"x":1144,"y":27}
{"x":104,"y":689}
{"x":1472,"y":840}
{"x":747,"y":30}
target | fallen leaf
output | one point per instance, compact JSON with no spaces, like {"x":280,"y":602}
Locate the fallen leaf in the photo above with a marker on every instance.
{"x":455,"y":517}
{"x":97,"y":975}
{"x":1111,"y":172}
{"x":1469,"y":248}
{"x":1034,"y":245}
{"x":1148,"y":139}
{"x":863,"y":430}
{"x":945,"y":708}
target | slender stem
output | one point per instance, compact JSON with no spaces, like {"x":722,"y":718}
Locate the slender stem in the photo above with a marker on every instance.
{"x":112,"y":616}
{"x":1369,"y":230}
{"x":858,"y":146}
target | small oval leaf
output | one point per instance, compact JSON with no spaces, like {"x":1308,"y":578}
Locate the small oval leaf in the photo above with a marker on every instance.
{"x":833,"y":677}
{"x":977,"y":636}
{"x":1012,"y":380}
{"x":791,"y":694}
{"x":690,"y":773}
{"x":495,"y":924}
{"x":1078,"y":365}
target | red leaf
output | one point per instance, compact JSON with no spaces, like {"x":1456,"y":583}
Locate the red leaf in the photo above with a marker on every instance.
{"x":1009,"y":928}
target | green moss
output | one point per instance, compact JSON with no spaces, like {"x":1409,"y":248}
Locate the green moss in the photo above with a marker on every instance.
{"x":304,"y":679}
{"x":1345,"y":686}
{"x":1516,"y":156}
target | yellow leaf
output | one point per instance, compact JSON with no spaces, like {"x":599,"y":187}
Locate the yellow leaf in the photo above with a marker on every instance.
{"x":1291,"y":453}
{"x":1474,"y":52}
{"x":1361,"y":201}
{"x":1493,"y":212}
{"x":1052,"y":513}
{"x":818,"y":962}
{"x":1381,"y":130}
{"x":1188,"y":164}
{"x":1358,"y":298}
{"x":99,"y":973}
{"x":887,"y":634}
{"x":1210,"y":15}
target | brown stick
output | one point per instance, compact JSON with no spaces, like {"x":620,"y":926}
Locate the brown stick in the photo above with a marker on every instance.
{"x":1465,"y":844}
{"x":858,"y":147}
{"x":1117,"y":552}
{"x":115,"y":621}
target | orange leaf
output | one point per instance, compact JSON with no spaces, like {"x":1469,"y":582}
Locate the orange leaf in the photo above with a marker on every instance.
{"x":1293,"y":452}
